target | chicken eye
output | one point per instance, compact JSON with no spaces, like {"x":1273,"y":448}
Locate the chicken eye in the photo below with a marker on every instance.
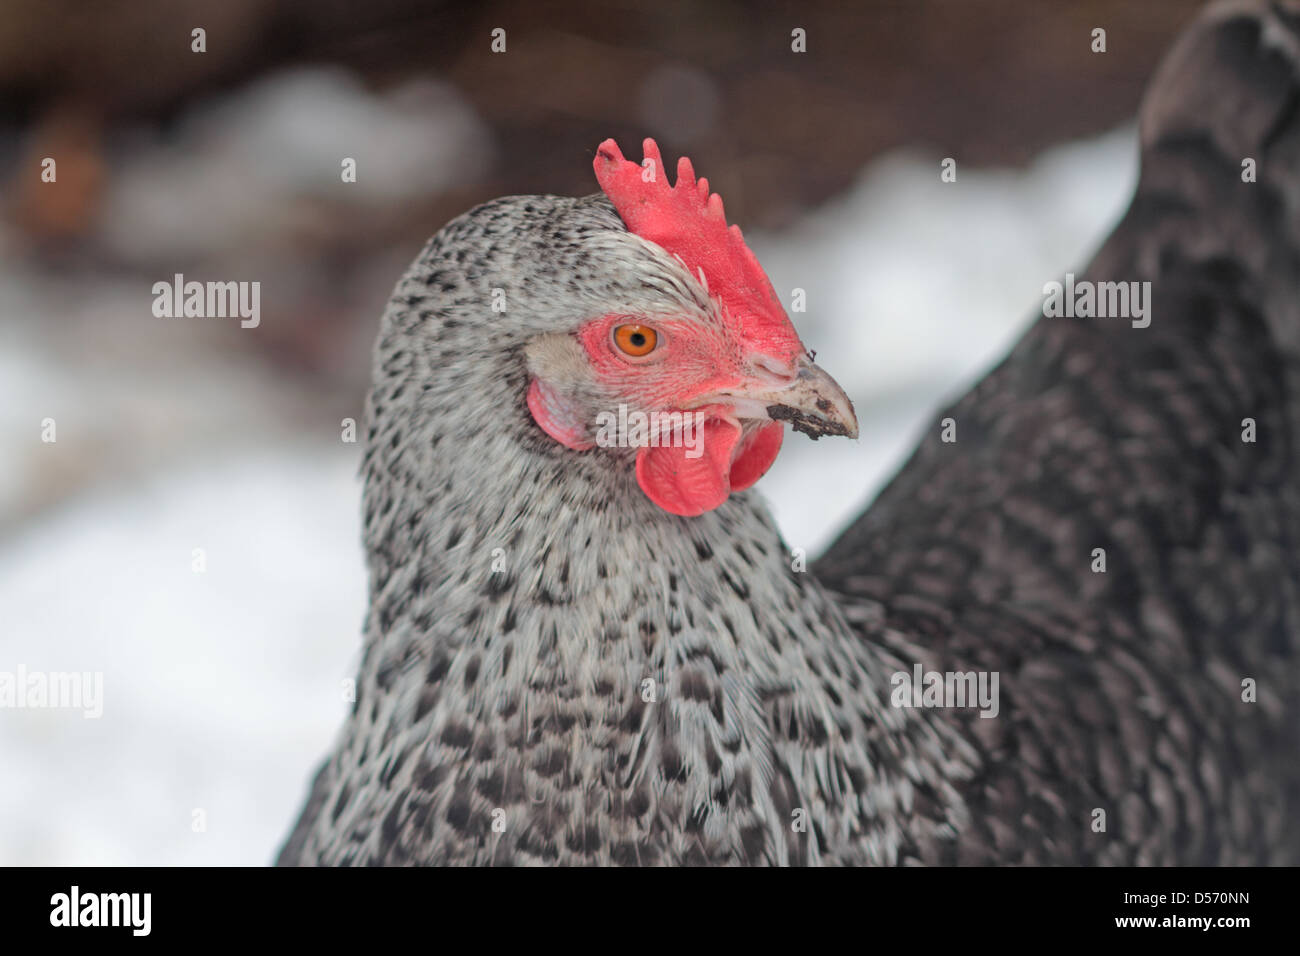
{"x":636,"y":340}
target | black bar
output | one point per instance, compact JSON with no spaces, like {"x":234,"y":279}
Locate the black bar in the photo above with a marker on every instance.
{"x":238,"y":906}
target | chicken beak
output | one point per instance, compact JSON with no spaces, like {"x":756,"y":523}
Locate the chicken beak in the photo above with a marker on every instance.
{"x":812,"y":402}
{"x":815,"y":404}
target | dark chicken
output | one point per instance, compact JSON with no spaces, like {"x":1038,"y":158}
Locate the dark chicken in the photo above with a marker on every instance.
{"x":578,"y":653}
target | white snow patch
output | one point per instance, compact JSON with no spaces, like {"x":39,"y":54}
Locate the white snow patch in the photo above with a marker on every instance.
{"x":221,"y":688}
{"x":251,"y":158}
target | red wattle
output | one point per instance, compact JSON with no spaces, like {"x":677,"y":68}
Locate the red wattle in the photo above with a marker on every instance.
{"x":756,"y":456}
{"x":691,"y":486}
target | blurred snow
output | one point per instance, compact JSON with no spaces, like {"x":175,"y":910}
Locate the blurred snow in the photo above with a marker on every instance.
{"x":915,"y":288}
{"x":217,"y":685}
{"x":222,"y":688}
{"x":249,"y":163}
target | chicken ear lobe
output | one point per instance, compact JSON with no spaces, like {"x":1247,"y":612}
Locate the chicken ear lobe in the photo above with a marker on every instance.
{"x":557,"y":417}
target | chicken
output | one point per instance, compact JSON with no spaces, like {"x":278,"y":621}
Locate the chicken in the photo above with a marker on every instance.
{"x":581,"y":649}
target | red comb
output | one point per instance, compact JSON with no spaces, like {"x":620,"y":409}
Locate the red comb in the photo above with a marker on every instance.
{"x":689,"y":222}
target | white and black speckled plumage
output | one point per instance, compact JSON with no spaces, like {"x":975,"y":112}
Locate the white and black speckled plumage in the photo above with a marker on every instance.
{"x":521,"y":691}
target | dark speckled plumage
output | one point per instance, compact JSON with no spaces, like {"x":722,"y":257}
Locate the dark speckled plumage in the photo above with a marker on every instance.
{"x":515,"y":697}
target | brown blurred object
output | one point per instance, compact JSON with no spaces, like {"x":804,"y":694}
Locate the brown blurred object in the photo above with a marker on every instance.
{"x":985,"y":81}
{"x":71,"y":136}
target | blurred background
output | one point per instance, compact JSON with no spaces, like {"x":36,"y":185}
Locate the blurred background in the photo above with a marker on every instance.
{"x":222,"y":689}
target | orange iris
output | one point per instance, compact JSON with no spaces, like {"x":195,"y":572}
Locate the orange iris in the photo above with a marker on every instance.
{"x":635,"y":340}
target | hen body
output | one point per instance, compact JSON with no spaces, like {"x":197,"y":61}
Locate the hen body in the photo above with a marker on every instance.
{"x":558,"y":671}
